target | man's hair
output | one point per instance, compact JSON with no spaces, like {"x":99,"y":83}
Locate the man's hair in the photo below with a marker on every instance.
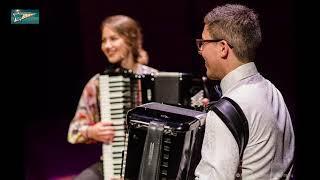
{"x":239,"y":26}
{"x":130,"y":31}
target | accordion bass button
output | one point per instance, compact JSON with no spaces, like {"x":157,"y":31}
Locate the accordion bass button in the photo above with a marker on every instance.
{"x":165,"y":164}
{"x":164,"y":172}
{"x":167,"y":140}
{"x":166,"y":156}
{"x":166,"y":148}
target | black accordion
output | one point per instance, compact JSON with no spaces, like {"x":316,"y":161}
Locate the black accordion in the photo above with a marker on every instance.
{"x":164,"y":142}
{"x":123,"y":90}
{"x":177,"y":88}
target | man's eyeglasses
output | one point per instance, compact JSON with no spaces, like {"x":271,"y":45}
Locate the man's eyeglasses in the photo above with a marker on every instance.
{"x":201,"y":42}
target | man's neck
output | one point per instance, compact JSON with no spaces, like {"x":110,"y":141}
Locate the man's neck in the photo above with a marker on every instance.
{"x":232,"y":65}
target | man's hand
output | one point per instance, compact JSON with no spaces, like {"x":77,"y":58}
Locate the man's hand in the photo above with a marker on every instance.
{"x":205,"y":102}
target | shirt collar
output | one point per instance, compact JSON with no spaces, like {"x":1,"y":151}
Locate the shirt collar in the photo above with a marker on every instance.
{"x":237,"y":74}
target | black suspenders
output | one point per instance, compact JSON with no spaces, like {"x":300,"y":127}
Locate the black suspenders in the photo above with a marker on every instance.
{"x":234,"y":118}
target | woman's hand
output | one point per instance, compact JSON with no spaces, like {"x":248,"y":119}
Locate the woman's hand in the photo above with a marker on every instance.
{"x":101,"y":131}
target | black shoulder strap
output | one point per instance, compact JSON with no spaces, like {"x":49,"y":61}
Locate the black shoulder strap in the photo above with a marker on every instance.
{"x":234,"y":118}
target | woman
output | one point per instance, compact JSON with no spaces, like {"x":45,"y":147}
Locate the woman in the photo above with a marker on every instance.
{"x":122,"y":45}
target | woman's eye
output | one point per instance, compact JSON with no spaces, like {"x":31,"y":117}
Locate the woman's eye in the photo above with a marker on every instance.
{"x":114,"y":38}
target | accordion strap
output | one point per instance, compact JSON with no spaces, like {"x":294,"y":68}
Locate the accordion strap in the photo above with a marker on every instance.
{"x":149,"y":167}
{"x":234,"y":118}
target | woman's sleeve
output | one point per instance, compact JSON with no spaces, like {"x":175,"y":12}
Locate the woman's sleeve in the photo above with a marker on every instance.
{"x":86,"y":114}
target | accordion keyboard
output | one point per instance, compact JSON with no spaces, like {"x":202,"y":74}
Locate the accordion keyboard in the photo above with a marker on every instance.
{"x":114,"y":103}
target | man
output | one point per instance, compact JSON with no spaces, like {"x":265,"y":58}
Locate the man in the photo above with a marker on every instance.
{"x":230,"y":38}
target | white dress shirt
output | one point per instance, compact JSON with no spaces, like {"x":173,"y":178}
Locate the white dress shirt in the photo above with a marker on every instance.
{"x":270,"y":149}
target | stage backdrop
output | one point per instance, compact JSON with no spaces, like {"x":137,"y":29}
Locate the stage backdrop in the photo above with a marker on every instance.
{"x":61,"y":53}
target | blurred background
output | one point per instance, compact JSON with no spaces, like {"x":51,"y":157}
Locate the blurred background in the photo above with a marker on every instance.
{"x":51,"y":62}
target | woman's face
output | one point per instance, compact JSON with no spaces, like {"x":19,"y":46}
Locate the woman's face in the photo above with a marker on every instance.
{"x":113,"y":46}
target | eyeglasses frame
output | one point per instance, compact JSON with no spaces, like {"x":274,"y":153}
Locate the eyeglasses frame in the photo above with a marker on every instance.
{"x":203,"y":41}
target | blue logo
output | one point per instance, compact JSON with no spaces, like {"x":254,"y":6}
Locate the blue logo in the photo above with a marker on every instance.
{"x":24,"y":16}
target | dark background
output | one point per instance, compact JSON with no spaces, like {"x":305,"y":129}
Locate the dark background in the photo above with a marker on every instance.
{"x":51,"y":62}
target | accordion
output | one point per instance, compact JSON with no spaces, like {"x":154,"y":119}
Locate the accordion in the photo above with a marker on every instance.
{"x":164,"y":142}
{"x":121,"y":91}
{"x":118,"y":92}
{"x":177,"y":88}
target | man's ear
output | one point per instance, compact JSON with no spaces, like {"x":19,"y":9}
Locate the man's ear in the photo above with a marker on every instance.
{"x":224,"y":49}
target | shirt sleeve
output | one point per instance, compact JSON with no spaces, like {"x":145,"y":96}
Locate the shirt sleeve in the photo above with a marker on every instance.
{"x":87,"y":113}
{"x":220,"y":153}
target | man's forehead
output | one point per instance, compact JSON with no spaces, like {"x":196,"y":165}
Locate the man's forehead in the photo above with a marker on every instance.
{"x":205,"y":32}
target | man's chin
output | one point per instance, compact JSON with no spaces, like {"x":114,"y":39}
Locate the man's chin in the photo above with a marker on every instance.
{"x":211,"y":76}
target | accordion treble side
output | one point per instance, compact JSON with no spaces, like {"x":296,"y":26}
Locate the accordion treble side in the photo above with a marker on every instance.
{"x":164,"y":142}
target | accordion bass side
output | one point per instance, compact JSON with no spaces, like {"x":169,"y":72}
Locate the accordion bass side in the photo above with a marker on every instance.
{"x":164,"y":142}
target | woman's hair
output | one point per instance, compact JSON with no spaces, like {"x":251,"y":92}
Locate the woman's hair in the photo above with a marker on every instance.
{"x":130,"y":31}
